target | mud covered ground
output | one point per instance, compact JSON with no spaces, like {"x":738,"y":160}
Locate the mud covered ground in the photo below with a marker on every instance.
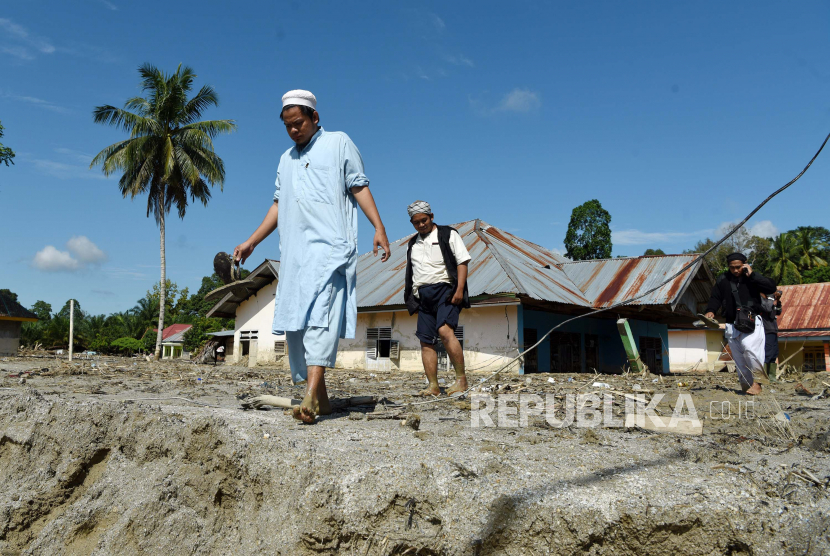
{"x":117,"y":456}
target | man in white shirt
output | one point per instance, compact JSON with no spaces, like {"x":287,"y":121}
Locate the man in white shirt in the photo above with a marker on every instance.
{"x":436,"y":288}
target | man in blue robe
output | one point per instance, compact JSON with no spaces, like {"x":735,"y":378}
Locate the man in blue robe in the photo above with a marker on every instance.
{"x":320,"y":183}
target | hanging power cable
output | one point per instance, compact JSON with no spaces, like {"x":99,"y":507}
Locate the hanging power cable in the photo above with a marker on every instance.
{"x":642,"y":295}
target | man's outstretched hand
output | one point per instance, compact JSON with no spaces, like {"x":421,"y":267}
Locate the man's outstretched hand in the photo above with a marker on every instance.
{"x":381,"y":241}
{"x":242,"y":251}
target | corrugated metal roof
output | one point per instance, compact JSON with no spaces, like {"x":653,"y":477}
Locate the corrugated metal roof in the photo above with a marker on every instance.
{"x":610,"y":281}
{"x":504,"y":263}
{"x":805,"y":334}
{"x":805,"y":307}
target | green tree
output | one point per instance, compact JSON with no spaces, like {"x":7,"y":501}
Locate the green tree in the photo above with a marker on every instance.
{"x":196,"y":336}
{"x":169,"y":155}
{"x":816,"y":275}
{"x":589,"y":232}
{"x":6,"y":154}
{"x":809,"y":249}
{"x":8,"y":293}
{"x":782,"y":260}
{"x":130,"y":345}
{"x":653,"y":252}
{"x":42,"y":309}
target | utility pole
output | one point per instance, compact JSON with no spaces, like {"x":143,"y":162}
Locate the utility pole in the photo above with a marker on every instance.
{"x":71,"y":325}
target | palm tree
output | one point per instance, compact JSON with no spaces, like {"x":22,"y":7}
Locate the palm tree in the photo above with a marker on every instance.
{"x":782,"y":257}
{"x":809,"y":248}
{"x":169,"y":154}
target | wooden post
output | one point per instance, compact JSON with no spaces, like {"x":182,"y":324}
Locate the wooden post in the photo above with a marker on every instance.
{"x":71,"y":326}
{"x":630,"y":346}
{"x":827,"y":356}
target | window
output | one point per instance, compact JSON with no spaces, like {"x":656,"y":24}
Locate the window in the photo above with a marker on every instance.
{"x":531,"y":359}
{"x":248,"y":335}
{"x":380,"y":345}
{"x":651,"y":353}
{"x":814,"y":359}
{"x":280,"y":349}
{"x":565,"y":355}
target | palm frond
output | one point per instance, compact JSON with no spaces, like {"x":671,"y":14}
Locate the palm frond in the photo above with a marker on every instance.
{"x":213,"y":127}
{"x":205,"y":98}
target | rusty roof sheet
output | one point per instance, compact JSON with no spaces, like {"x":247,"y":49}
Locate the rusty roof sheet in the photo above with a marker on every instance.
{"x":610,"y":281}
{"x":533,"y":271}
{"x":805,"y":307}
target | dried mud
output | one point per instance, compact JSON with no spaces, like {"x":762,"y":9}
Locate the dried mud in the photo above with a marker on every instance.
{"x":90,"y":465}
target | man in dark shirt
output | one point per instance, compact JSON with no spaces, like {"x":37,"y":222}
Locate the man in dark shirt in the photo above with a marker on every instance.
{"x":747,"y":347}
{"x":771,"y":310}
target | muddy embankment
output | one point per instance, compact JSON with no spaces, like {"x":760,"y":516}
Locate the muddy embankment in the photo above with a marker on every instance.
{"x":106,"y":477}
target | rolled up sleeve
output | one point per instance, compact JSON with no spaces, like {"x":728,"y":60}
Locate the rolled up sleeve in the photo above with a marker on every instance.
{"x":277,"y":185}
{"x":459,"y":249}
{"x":353,"y":166}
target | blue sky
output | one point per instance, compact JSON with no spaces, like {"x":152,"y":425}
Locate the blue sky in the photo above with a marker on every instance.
{"x":678,"y":117}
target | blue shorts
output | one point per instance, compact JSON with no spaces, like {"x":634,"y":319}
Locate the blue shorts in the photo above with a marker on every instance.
{"x":317,"y":345}
{"x":434,"y":311}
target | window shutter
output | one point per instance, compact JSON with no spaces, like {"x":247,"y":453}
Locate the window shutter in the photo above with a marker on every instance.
{"x":379,"y":333}
{"x":279,"y":349}
{"x":372,"y":349}
{"x":459,"y":333}
{"x":395,"y":350}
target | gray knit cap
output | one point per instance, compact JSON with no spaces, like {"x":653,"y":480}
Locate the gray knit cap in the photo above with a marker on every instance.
{"x":418,"y":207}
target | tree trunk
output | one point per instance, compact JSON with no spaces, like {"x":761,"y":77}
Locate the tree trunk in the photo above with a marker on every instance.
{"x":163,"y":286}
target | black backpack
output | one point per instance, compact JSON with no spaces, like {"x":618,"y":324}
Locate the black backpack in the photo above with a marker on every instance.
{"x":744,"y":317}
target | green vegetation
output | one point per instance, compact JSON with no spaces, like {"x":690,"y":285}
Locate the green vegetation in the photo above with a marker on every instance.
{"x":589,"y":232}
{"x":794,"y":257}
{"x":128,"y":331}
{"x":169,"y":155}
{"x":653,"y":252}
{"x":6,"y":154}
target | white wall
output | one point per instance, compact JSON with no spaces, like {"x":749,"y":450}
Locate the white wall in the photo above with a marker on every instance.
{"x":9,"y":337}
{"x":490,"y":338}
{"x":257,"y":313}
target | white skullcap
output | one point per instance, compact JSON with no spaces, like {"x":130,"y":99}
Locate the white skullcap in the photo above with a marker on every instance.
{"x":299,"y":97}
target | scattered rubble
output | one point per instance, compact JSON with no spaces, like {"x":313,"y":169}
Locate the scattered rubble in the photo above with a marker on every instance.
{"x":129,"y":457}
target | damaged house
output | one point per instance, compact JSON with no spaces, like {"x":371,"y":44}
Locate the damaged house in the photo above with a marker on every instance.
{"x":519,"y":291}
{"x":12,"y":317}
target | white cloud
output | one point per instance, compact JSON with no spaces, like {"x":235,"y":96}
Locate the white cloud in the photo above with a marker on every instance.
{"x":85,"y":251}
{"x":39,"y":102}
{"x":63,"y":171}
{"x":638,"y":237}
{"x":520,"y":100}
{"x":459,"y":60}
{"x":763,"y":228}
{"x":109,"y":5}
{"x":437,"y":22}
{"x":24,"y":44}
{"x":51,"y":259}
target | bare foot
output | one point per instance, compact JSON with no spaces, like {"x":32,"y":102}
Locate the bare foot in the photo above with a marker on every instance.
{"x":460,"y":385}
{"x":430,"y":391}
{"x":753,"y":390}
{"x":306,"y":411}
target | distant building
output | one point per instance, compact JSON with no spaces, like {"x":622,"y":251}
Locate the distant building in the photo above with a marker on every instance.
{"x":519,"y":290}
{"x":12,"y":317}
{"x":172,"y":342}
{"x":804,"y":325}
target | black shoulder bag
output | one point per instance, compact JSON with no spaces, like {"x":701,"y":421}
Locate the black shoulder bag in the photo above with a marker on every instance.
{"x":744,"y":317}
